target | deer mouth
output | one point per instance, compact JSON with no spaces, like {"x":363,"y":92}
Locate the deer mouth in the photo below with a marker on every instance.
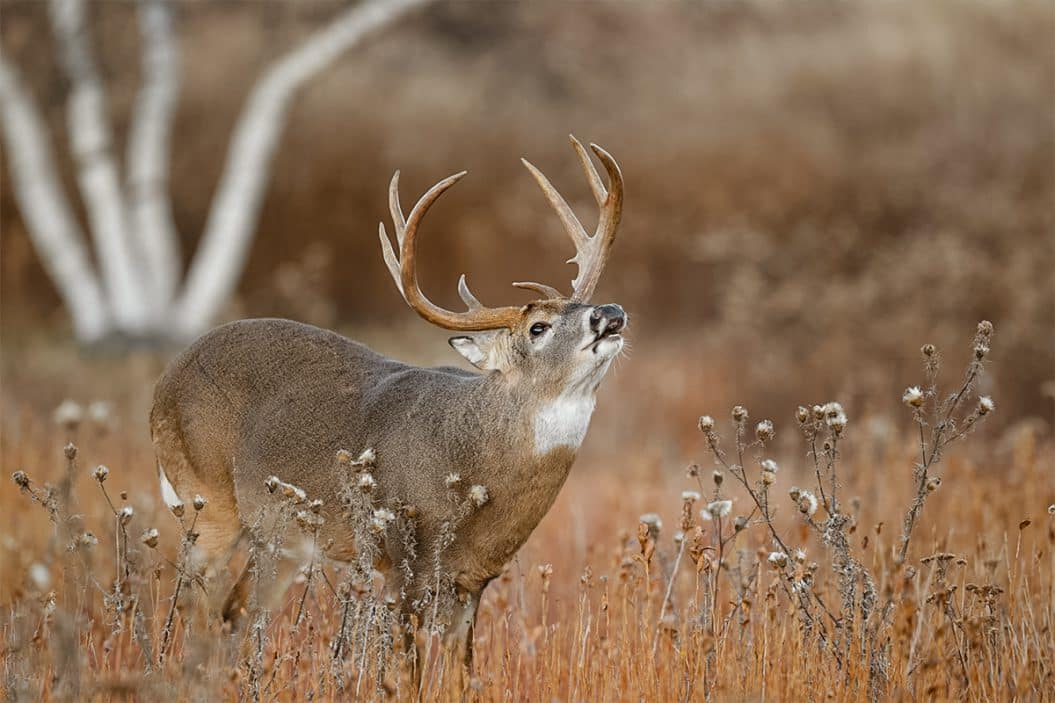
{"x":606,"y":335}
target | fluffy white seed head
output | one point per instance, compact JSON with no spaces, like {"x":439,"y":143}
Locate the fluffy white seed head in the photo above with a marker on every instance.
{"x":150,"y":537}
{"x":718,"y":508}
{"x":985,"y":405}
{"x":807,"y":503}
{"x":651,"y":520}
{"x":778,"y":559}
{"x":765,"y":431}
{"x":912,"y":397}
{"x":478,"y":495}
{"x":68,"y":415}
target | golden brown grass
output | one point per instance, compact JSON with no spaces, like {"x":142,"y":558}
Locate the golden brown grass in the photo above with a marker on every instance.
{"x":589,"y":610}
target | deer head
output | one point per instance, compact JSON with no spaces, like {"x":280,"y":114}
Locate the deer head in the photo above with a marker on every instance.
{"x":561,"y":342}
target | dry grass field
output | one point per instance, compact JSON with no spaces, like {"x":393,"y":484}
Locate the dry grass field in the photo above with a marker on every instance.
{"x":624,"y":592}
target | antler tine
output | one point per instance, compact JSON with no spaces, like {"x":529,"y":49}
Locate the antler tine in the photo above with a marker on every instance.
{"x":405,"y":274}
{"x":398,"y":221}
{"x":390,"y":257}
{"x":567,"y":217}
{"x":596,"y":185}
{"x":602,"y":240}
{"x":467,"y":296}
{"x":591,"y":252}
{"x":541,"y":288}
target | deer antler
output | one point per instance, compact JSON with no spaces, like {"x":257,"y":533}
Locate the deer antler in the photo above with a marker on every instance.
{"x":404,"y":274}
{"x":591,"y":252}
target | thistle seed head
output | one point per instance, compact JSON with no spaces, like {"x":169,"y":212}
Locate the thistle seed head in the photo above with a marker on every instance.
{"x":478,"y":495}
{"x":101,"y":473}
{"x":150,"y":537}
{"x":764,"y":431}
{"x":706,"y":423}
{"x":366,"y":482}
{"x":718,"y":508}
{"x":740,"y":414}
{"x":912,"y":397}
{"x":68,"y":415}
{"x":985,"y":405}
{"x":807,"y":503}
{"x":199,"y":503}
{"x":778,"y":559}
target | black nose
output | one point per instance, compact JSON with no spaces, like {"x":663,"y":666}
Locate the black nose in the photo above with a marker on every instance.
{"x":607,"y":319}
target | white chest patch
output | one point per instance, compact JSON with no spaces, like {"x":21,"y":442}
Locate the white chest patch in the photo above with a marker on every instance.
{"x":563,"y":423}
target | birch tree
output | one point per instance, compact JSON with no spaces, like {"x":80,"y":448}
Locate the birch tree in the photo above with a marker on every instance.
{"x":122,"y":275}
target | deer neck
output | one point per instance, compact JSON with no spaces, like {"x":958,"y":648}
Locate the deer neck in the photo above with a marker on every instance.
{"x":541,"y":423}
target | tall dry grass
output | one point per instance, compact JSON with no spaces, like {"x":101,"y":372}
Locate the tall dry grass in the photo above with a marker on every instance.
{"x":822,"y":556}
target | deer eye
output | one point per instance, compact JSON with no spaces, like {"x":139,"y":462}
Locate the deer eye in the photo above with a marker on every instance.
{"x":538,"y":328}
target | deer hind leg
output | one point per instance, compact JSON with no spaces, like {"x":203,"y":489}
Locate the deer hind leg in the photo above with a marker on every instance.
{"x":217,"y":525}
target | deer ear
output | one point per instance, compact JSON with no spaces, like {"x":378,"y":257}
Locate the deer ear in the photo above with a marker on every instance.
{"x":478,"y":350}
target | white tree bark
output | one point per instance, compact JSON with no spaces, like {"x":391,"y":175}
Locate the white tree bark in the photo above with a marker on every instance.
{"x":149,"y":144}
{"x":232,"y":219}
{"x":97,"y":173}
{"x":51,"y":225}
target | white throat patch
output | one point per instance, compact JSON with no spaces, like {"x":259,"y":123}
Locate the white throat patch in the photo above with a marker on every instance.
{"x":563,"y":422}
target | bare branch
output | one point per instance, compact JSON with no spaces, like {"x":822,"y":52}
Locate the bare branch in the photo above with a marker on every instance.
{"x":221,"y":257}
{"x":51,"y":225}
{"x":149,"y":143}
{"x":97,"y":173}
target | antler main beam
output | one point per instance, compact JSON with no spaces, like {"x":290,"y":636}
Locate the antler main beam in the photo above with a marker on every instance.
{"x":404,"y":272}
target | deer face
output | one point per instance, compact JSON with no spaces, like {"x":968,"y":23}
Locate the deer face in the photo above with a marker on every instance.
{"x":558,"y":344}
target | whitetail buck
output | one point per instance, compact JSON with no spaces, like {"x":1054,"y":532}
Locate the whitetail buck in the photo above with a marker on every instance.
{"x":260,"y":398}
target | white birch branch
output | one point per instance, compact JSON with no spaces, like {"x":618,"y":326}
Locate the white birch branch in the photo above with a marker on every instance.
{"x":232,"y":220}
{"x":149,"y":145}
{"x":51,"y":225}
{"x":97,"y":173}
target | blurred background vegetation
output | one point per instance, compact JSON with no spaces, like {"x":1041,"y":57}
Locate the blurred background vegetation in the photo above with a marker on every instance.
{"x":812,"y":188}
